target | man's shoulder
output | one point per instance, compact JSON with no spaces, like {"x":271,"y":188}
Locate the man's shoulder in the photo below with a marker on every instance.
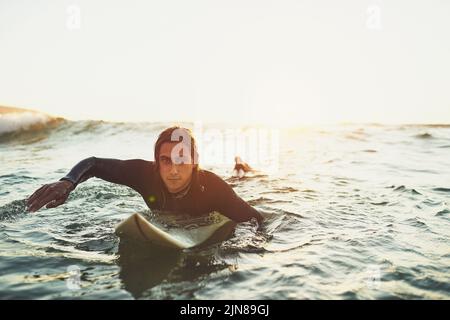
{"x":209,"y":178}
{"x":139,"y":165}
{"x":143,"y":162}
{"x":208,"y":174}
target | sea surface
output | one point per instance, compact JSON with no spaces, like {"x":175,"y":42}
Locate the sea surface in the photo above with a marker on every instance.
{"x":352,"y":211}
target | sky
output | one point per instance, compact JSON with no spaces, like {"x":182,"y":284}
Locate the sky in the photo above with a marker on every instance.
{"x":276,"y":62}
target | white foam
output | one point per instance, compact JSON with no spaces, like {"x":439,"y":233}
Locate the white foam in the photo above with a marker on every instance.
{"x":10,"y":122}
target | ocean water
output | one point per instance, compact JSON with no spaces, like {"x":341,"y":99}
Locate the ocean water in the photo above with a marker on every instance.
{"x":351,"y":212}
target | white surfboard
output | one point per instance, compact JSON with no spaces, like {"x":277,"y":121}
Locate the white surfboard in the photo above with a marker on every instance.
{"x":180,"y":236}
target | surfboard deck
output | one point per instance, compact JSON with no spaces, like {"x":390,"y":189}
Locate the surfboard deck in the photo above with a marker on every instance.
{"x":176,"y":237}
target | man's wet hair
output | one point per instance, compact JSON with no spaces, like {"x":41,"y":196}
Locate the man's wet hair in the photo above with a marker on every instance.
{"x":168,"y":135}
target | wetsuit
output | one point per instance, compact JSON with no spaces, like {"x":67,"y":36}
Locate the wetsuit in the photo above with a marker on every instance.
{"x":206,"y":193}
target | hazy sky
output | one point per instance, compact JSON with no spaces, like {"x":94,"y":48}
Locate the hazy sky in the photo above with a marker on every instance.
{"x":232,"y":60}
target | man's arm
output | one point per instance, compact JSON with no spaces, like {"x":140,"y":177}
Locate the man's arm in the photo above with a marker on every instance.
{"x":233,"y":206}
{"x":132,"y":173}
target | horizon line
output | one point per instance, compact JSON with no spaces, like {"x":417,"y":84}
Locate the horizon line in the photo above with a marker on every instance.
{"x":8,"y":109}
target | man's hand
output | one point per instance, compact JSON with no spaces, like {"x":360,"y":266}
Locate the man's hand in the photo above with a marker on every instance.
{"x":52,"y":195}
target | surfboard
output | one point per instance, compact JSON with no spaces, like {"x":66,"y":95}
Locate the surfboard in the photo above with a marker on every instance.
{"x":177,"y":233}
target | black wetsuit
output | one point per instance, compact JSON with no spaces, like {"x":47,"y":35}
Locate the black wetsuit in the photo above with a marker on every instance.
{"x":207,"y":191}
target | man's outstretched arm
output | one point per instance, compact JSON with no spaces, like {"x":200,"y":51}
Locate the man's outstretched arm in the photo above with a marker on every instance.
{"x":131,"y":173}
{"x":125,"y":172}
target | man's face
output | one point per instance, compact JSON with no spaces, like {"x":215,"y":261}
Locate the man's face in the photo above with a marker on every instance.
{"x":175,"y":172}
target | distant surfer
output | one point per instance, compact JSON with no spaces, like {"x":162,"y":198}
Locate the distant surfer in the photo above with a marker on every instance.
{"x":173,"y":182}
{"x":240,"y":167}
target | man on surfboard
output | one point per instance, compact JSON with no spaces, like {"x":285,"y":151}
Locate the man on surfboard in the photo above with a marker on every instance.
{"x":173,"y":182}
